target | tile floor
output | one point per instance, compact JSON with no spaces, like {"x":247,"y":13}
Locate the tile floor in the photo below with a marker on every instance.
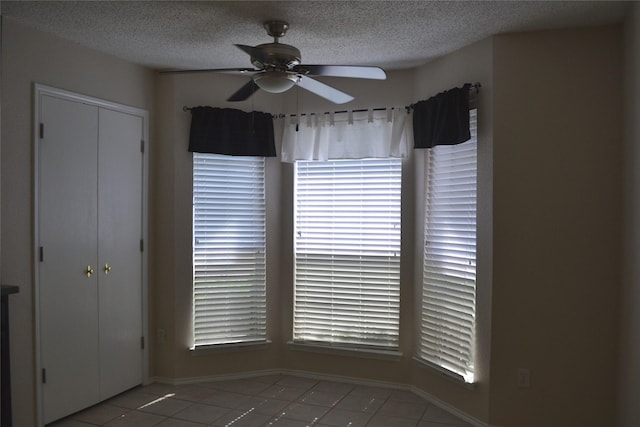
{"x":274,"y":400}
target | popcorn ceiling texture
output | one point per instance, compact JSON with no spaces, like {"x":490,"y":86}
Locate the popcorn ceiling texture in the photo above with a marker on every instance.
{"x":391,"y":34}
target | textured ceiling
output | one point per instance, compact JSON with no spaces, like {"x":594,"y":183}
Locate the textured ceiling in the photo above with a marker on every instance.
{"x":391,"y":34}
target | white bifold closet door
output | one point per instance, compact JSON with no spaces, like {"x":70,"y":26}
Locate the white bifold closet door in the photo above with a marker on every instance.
{"x":89,"y":214}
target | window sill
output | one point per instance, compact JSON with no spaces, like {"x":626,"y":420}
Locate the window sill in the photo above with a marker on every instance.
{"x":451,"y":376}
{"x":203,"y":350}
{"x":366,"y":353}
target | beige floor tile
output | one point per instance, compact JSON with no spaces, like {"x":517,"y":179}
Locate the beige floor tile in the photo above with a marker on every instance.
{"x":439,"y":424}
{"x":100,"y":414}
{"x":410,"y":410}
{"x":225,"y":399}
{"x":360,"y":403}
{"x":173,"y":422}
{"x":333,"y":387}
{"x":320,"y":398}
{"x":264,"y":405}
{"x":436,"y":414}
{"x":160,"y":389}
{"x":69,"y":422}
{"x":387,"y":421}
{"x":343,"y":418}
{"x":132,"y":399}
{"x":193,"y":393}
{"x":242,"y":419}
{"x":377,"y":392}
{"x":285,"y":422}
{"x":165,"y":406}
{"x":303,"y":412}
{"x":136,"y":419}
{"x":202,"y":413}
{"x":282,"y":392}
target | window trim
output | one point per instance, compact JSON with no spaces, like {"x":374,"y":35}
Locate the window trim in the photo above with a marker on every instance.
{"x":449,"y":375}
{"x":204,"y":350}
{"x":341,"y":350}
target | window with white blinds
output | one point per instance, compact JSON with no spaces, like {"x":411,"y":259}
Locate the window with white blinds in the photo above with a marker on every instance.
{"x":447,"y":329}
{"x":229,"y":296}
{"x":347,"y":252}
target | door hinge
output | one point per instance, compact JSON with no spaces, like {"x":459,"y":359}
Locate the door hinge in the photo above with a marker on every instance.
{"x":41,"y":253}
{"x":142,"y":145}
{"x":41,"y":130}
{"x":141,"y":343}
{"x":141,"y":245}
{"x":44,"y":376}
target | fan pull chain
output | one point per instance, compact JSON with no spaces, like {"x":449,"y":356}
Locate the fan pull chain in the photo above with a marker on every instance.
{"x":253,"y":109}
{"x":297,"y":107}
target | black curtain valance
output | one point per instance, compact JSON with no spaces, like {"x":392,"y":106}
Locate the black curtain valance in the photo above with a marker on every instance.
{"x":442,"y":119}
{"x":232,"y":132}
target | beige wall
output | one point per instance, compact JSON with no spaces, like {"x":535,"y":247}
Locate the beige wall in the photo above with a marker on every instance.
{"x":28,"y":57}
{"x":557,"y":140}
{"x":629,"y":390}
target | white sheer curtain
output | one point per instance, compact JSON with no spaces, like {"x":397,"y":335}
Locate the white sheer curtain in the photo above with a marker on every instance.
{"x":350,"y":135}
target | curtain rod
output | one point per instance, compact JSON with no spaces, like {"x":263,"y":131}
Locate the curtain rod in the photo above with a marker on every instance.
{"x":409,"y":107}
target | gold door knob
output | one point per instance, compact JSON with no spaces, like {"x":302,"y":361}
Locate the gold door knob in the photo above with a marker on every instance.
{"x":107,"y":268}
{"x":89,"y":271}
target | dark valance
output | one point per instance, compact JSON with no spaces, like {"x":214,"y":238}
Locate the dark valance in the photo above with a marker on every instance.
{"x":442,"y":119}
{"x":232,"y":132}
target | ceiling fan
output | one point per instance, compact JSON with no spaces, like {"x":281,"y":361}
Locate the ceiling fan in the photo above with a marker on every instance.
{"x":279,"y":68}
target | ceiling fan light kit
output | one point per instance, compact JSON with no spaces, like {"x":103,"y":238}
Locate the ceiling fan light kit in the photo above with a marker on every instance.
{"x":275,"y":81}
{"x":279,"y":68}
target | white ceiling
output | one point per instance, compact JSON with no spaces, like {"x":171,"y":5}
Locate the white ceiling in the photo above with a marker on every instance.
{"x":391,"y":34}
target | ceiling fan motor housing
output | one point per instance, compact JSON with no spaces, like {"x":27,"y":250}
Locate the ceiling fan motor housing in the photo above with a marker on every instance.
{"x":281,"y":56}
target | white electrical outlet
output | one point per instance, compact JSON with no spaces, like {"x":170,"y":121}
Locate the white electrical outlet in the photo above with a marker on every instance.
{"x":524,"y":378}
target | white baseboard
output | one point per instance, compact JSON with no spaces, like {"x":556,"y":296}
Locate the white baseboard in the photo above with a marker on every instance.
{"x":326,"y":377}
{"x":213,"y":378}
{"x":447,"y":407}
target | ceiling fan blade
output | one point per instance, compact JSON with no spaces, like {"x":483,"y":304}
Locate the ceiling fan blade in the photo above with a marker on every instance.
{"x":244,"y":92}
{"x":323,"y":90}
{"x":212,"y":70}
{"x":255,"y":53}
{"x":352,"y":71}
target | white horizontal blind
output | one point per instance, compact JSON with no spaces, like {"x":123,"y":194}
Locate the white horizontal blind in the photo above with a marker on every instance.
{"x":447,"y":329}
{"x":228,"y":249}
{"x":347,"y":252}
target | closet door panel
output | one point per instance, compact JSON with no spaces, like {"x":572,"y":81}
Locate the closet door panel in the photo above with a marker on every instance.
{"x":67,"y":198}
{"x":119,"y":233}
